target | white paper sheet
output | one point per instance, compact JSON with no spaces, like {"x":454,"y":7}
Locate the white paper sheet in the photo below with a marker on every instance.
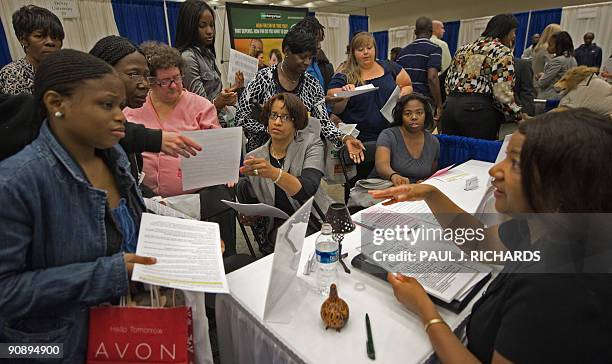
{"x":163,"y":210}
{"x":387,"y":110}
{"x":257,"y":209}
{"x":188,"y":254}
{"x":452,"y":175}
{"x":358,"y":91}
{"x":239,"y":61}
{"x":219,"y":160}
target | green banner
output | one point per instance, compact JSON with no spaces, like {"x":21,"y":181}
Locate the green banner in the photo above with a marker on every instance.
{"x":261,"y":22}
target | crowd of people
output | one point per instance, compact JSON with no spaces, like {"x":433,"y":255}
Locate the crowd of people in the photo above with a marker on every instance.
{"x":92,"y":133}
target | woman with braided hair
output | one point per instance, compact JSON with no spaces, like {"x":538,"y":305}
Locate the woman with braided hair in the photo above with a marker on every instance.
{"x":74,"y":208}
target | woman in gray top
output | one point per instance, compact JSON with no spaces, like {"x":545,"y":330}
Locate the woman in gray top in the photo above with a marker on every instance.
{"x":195,"y":39}
{"x":406,"y":152}
{"x":560,"y":44}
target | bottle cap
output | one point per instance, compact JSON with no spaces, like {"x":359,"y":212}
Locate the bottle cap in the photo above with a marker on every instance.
{"x":326,"y":229}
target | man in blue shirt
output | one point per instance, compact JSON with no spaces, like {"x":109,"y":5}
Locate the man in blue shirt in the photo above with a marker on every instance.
{"x":422,"y":60}
{"x":588,"y":54}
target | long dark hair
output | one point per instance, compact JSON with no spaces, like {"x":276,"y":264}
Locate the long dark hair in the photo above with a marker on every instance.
{"x":565,"y":162}
{"x":187,"y":24}
{"x":563,"y":44}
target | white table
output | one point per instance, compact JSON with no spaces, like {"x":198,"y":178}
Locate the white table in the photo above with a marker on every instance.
{"x":397,"y":333}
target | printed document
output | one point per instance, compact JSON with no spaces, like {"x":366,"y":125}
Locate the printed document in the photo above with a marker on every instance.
{"x":241,"y":62}
{"x":188,"y":254}
{"x":219,"y":160}
{"x":257,"y":209}
{"x":357,"y":91}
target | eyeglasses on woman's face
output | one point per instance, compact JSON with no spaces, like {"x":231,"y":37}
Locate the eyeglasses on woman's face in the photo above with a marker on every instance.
{"x":284,"y":118}
{"x":166,"y":82}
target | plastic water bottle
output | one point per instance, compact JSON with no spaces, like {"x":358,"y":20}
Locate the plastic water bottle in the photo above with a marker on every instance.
{"x":327,"y":260}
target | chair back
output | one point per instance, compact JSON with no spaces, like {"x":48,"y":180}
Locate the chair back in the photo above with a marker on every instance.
{"x":456,"y":149}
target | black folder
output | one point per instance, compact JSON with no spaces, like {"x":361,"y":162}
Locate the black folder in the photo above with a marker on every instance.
{"x":361,"y":262}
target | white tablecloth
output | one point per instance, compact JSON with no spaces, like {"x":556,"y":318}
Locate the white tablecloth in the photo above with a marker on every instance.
{"x":397,"y":333}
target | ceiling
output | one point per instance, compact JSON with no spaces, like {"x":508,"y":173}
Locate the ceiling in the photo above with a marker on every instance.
{"x":331,"y":6}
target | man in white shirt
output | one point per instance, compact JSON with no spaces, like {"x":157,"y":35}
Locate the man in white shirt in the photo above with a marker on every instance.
{"x":436,"y":38}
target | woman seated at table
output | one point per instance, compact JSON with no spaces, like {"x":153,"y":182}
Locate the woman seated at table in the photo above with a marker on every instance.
{"x":73,"y":208}
{"x":287,"y":170}
{"x":406,"y":152}
{"x":562,"y":316}
{"x":362,"y":68}
{"x":170,"y":107}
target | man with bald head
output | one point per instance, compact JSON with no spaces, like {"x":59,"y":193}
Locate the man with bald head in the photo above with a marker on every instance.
{"x":436,"y":38}
{"x":588,"y":54}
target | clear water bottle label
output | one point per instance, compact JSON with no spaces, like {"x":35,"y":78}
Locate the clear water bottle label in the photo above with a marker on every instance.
{"x":327,"y":257}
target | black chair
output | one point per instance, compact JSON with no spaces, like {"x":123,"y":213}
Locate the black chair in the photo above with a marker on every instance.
{"x":363,"y":169}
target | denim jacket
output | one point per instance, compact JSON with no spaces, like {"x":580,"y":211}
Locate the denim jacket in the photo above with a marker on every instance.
{"x":53,"y":246}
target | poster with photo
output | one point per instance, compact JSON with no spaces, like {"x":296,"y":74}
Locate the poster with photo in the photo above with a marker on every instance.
{"x":261,"y":28}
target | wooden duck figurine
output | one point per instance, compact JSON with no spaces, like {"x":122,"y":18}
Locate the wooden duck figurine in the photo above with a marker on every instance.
{"x":334,"y":311}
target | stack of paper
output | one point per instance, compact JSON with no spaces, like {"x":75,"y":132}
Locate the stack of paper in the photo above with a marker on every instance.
{"x":357,"y":91}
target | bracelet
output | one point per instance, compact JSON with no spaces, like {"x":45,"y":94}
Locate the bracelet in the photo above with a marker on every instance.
{"x":393,"y":174}
{"x":434,"y":321}
{"x":280,"y":174}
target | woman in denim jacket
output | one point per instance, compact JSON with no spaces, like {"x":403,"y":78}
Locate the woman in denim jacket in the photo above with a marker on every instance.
{"x":70,"y":208}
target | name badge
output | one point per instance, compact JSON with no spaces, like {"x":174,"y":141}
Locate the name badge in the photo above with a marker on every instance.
{"x":471,"y":183}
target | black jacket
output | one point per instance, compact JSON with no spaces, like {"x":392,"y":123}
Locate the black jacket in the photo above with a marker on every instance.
{"x":523,"y":85}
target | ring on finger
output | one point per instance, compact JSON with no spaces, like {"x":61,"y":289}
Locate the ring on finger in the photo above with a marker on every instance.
{"x":256,"y":172}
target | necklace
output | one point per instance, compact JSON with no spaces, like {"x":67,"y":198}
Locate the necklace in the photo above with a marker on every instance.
{"x":286,"y":74}
{"x":279,"y":160}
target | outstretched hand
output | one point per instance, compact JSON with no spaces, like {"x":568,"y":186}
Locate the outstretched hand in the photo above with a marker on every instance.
{"x":175,"y":144}
{"x":407,"y":192}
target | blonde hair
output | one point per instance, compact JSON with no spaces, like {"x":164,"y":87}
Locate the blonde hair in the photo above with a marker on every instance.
{"x":548,"y":32}
{"x":351,"y":67}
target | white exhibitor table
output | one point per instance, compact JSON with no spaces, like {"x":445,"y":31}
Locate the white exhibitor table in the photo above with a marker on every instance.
{"x":397,"y":333}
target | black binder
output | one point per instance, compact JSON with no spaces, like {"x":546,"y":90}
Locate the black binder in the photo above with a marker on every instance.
{"x":361,"y":262}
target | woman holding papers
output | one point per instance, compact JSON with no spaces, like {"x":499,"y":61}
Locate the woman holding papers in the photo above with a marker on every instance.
{"x":362,"y":68}
{"x":170,"y":107}
{"x":406,"y":152}
{"x":287,"y":170}
{"x":562,"y":314}
{"x":290,"y":76}
{"x":195,"y":39}
{"x":71,"y":208}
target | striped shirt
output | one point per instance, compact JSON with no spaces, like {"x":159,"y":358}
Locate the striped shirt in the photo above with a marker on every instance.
{"x":416,"y":58}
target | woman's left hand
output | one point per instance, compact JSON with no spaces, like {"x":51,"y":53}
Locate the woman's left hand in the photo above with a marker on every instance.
{"x":355,"y":149}
{"x":226,"y":97}
{"x":411,"y":294}
{"x":259,"y":167}
{"x":174,"y":144}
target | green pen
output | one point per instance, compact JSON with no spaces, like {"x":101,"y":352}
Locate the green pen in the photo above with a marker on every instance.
{"x":370,"y":342}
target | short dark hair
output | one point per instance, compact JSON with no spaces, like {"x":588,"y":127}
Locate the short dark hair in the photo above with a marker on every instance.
{"x":311,"y":24}
{"x":423,"y":26}
{"x":161,"y":56}
{"x":500,"y":26}
{"x":396,"y":49}
{"x":398,"y":110}
{"x":299,"y":41}
{"x":62,"y":71}
{"x":188,"y":22}
{"x":296,"y":108}
{"x":113,"y":48}
{"x":30,"y":18}
{"x":563,"y":43}
{"x":565,"y":162}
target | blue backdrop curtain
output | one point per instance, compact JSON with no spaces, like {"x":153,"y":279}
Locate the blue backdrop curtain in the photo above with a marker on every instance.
{"x":541,"y":18}
{"x":5,"y":54}
{"x":357,"y":23}
{"x":457,"y":150}
{"x":382,"y":44}
{"x":140,"y":20}
{"x":173,"y":10}
{"x":451,"y":35}
{"x":521,"y":33}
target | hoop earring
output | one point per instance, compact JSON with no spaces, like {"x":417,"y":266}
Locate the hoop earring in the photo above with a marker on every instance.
{"x":58,"y":114}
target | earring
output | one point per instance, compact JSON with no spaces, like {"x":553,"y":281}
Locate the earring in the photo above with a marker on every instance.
{"x":58,"y":114}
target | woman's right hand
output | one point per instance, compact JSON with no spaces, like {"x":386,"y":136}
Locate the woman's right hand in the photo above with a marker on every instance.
{"x":131,"y":259}
{"x":225,"y":98}
{"x":409,"y":192}
{"x":399,"y":180}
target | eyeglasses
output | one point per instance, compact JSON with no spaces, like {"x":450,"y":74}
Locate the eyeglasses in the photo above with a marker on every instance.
{"x":166,"y":82}
{"x":138,"y":78}
{"x":284,"y":118}
{"x":418,"y":114}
